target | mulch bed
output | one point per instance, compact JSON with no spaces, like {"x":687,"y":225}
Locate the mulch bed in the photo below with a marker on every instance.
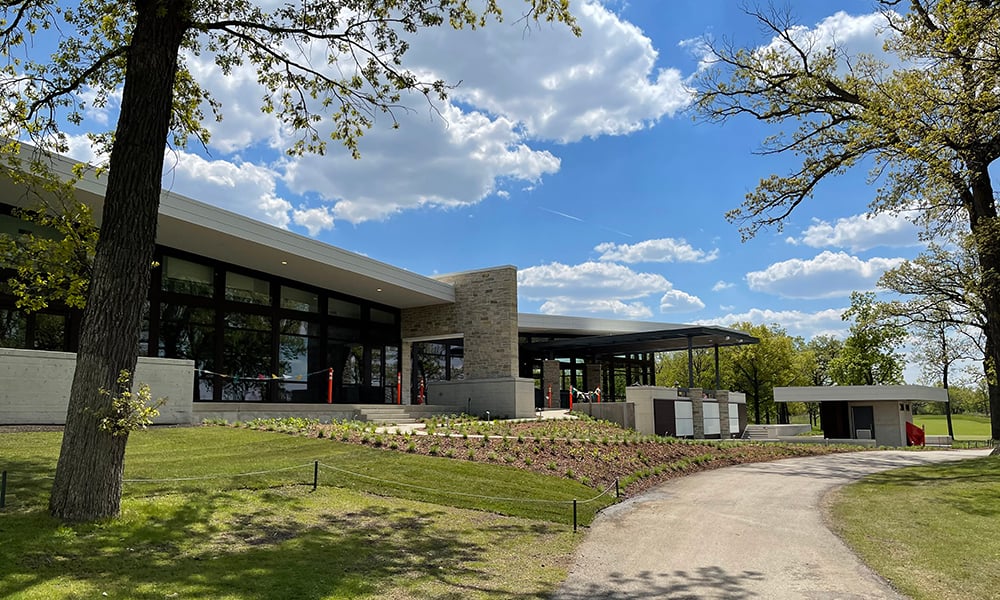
{"x":597,"y":455}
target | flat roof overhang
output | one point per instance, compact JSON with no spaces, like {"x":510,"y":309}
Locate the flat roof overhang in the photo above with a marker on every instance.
{"x":198,"y":228}
{"x":861,"y":393}
{"x":598,"y":337}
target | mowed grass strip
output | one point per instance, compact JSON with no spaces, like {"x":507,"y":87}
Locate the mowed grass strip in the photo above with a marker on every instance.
{"x":933,"y":531}
{"x":271,"y":535}
{"x":966,"y":427}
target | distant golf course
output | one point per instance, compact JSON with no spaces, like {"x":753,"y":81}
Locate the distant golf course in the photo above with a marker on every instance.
{"x":967,"y":427}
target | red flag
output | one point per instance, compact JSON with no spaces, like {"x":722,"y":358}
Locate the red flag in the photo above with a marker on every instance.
{"x":914,"y":434}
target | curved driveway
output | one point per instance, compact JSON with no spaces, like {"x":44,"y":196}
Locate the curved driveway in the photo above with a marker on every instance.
{"x":750,"y":531}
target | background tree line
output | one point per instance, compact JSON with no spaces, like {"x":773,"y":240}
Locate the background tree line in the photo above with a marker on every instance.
{"x":870,"y":354}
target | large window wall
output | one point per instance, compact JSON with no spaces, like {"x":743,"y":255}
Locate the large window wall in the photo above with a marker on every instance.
{"x":259,"y":338}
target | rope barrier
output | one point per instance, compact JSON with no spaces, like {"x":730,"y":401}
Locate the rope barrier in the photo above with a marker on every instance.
{"x":261,"y":377}
{"x":209,"y":477}
{"x":461,"y":494}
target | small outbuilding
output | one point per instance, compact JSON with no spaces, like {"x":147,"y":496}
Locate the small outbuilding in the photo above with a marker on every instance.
{"x":860,"y":412}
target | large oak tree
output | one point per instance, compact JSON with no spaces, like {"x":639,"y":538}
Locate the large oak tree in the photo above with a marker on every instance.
{"x":928,"y":126}
{"x":338,"y":60}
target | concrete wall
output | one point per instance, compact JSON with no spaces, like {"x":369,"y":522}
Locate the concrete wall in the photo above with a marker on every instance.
{"x":622,"y":413}
{"x":34,"y":386}
{"x":642,"y":396}
{"x":890,"y":422}
{"x":509,"y":397}
{"x":246,"y":411}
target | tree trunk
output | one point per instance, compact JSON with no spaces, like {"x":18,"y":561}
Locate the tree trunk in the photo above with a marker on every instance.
{"x":88,"y":479}
{"x":985,"y":228}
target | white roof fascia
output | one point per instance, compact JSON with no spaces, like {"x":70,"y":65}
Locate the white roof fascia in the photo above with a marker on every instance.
{"x":205,"y":230}
{"x":861,"y":393}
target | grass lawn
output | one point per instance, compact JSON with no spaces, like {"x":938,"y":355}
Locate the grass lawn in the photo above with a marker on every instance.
{"x":966,"y":427}
{"x":933,"y":531}
{"x":359,"y":535}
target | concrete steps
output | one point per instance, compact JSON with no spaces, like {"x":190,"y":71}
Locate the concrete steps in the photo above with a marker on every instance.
{"x":401,"y":414}
{"x":756,"y":432}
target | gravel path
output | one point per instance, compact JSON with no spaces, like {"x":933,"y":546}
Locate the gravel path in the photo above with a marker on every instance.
{"x":749,"y":531}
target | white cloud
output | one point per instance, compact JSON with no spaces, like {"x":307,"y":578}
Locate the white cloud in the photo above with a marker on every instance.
{"x":827,"y":275}
{"x":315,"y":220}
{"x":558,"y":86}
{"x":852,"y":34}
{"x":600,"y":288}
{"x":456,"y":159}
{"x":795,"y":323}
{"x":611,"y":308}
{"x":676,"y":301}
{"x":860,"y":232}
{"x":664,"y":250}
{"x":722,"y":285}
{"x":243,"y":188}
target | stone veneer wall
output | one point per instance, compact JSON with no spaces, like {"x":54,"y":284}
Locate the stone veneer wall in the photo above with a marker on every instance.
{"x":551,"y":381}
{"x":484,"y":314}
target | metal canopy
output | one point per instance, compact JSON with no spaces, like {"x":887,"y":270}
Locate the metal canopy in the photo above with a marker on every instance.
{"x":664,"y":340}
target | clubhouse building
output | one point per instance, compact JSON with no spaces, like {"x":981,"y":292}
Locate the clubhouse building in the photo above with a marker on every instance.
{"x":245,"y":319}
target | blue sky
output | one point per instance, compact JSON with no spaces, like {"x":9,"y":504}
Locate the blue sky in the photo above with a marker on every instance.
{"x":576,"y":160}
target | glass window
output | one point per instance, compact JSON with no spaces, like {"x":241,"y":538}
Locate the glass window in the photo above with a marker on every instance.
{"x":300,"y":369}
{"x":383,"y":316}
{"x":391,"y":360}
{"x":186,"y":277}
{"x":13,"y":328}
{"x":296,"y":299}
{"x":243,"y":288}
{"x":344,"y":333}
{"x":50,"y":332}
{"x":376,"y":370}
{"x":343,"y":308}
{"x":188,"y":332}
{"x":246,"y":357}
{"x":430,"y":361}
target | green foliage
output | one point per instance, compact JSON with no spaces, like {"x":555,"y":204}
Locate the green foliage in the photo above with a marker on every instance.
{"x":129,"y":411}
{"x":53,"y":257}
{"x":870,"y":355}
{"x":921,"y":124}
{"x":756,"y":369}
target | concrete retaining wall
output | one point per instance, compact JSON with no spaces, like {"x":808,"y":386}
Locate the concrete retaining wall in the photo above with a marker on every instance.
{"x":622,"y":413}
{"x":505,"y":398}
{"x":35,"y":384}
{"x":246,"y":411}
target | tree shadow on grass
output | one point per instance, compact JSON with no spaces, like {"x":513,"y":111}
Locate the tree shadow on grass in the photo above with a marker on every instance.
{"x":703,"y":582}
{"x":200,"y":547}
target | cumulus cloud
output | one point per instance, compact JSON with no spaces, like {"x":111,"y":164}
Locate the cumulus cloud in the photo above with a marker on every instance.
{"x":852,"y":34}
{"x":558,"y":86}
{"x":432,"y":161}
{"x":796,"y":323}
{"x":722,"y":285}
{"x":664,"y":250}
{"x":315,"y":220}
{"x":828,"y":275}
{"x":241,"y":187}
{"x":676,"y":301}
{"x":611,"y":308}
{"x":600,"y":288}
{"x":860,"y":232}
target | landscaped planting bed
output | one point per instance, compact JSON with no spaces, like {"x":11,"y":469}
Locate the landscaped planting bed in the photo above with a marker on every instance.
{"x":596,"y":453}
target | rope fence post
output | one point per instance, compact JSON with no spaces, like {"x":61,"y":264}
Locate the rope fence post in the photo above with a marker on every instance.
{"x":618,"y":493}
{"x":3,"y":489}
{"x":574,"y":515}
{"x":315,"y":474}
